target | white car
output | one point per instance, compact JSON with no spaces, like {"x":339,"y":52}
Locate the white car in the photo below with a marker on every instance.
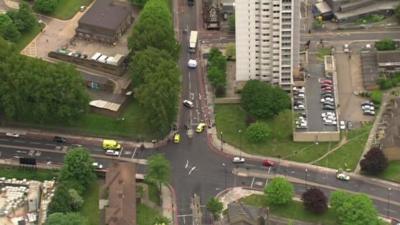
{"x":188,"y":103}
{"x":298,"y":107}
{"x":301,"y":95}
{"x":342,"y":176}
{"x":238,"y":159}
{"x":97,"y":165}
{"x":112,"y":153}
{"x":192,"y":63}
{"x":346,"y":48}
{"x":11,"y":134}
{"x":342,"y":125}
{"x":327,"y":99}
{"x":367,"y":107}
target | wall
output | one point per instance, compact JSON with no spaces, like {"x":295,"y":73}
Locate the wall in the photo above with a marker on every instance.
{"x":316,"y":136}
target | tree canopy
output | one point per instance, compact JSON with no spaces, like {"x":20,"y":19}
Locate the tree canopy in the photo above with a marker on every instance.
{"x":154,"y":28}
{"x":65,"y":219}
{"x":258,"y":132}
{"x":45,"y":6}
{"x":23,"y":18}
{"x":385,"y":45}
{"x":217,"y":70}
{"x":62,"y":201}
{"x":159,"y":169}
{"x":215,"y":207}
{"x":37,"y":91}
{"x":374,"y":162}
{"x":354,"y":209}
{"x":8,"y":30}
{"x":314,"y":200}
{"x":279,"y":191}
{"x":263,"y":100}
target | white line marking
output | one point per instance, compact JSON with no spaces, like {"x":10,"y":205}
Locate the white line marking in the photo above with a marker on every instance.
{"x":187,"y":164}
{"x":134,"y":152}
{"x":120,"y":153}
{"x":191,"y":170}
{"x":252,"y":182}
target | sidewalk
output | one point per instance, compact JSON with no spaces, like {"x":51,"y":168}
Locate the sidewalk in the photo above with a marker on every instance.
{"x":168,"y":203}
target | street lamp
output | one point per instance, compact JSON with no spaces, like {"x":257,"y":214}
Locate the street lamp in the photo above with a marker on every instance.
{"x":240,"y":139}
{"x":222,"y":142}
{"x":305,"y":180}
{"x":224,"y":165}
{"x":388,"y":202}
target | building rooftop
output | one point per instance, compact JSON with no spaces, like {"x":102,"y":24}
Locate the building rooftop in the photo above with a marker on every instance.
{"x":369,"y":68}
{"x":388,"y":58}
{"x":106,"y":14}
{"x":239,"y":213}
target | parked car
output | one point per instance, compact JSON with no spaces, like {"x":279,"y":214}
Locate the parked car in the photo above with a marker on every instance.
{"x":326,"y":81}
{"x":59,"y":139}
{"x":346,"y":48}
{"x":340,"y":175}
{"x":328,"y":107}
{"x":97,"y":165}
{"x":326,"y":85}
{"x":342,"y":125}
{"x":268,"y":163}
{"x":367,"y":107}
{"x":327,"y":95}
{"x":188,"y":103}
{"x":238,"y":160}
{"x":367,"y":103}
{"x":326,"y":91}
{"x":200,"y":127}
{"x":12,"y":134}
{"x":177,"y":138}
{"x":369,"y":113}
{"x":192,"y":63}
{"x":301,"y":95}
{"x":298,"y":107}
{"x":112,"y":152}
{"x":327,"y":99}
{"x":328,"y":103}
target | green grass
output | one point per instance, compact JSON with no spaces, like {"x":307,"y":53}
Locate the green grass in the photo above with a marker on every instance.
{"x":145,"y":215}
{"x":28,"y":173}
{"x":66,"y":9}
{"x":90,"y":209}
{"x":372,"y":18}
{"x":295,"y":211}
{"x":133,"y":126}
{"x":26,"y":38}
{"x":323,"y":52}
{"x":154,"y":193}
{"x":230,"y":118}
{"x":392,"y":173}
{"x":349,"y":154}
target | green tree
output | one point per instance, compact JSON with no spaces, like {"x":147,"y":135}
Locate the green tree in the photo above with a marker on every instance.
{"x":147,"y":61}
{"x":215,"y":207}
{"x":161,"y":220}
{"x":376,"y":96}
{"x":231,"y":23}
{"x":23,"y":18}
{"x":217,"y":78}
{"x":139,"y":3}
{"x":159,"y":170}
{"x":61,"y":201}
{"x":76,"y":199}
{"x":230,"y":51}
{"x":45,"y":6}
{"x":279,"y":191}
{"x":354,"y":209}
{"x":8,"y":30}
{"x":258,"y":132}
{"x":65,"y":219}
{"x":154,"y":28}
{"x":216,"y":59}
{"x":263,"y":100}
{"x":385,"y":45}
{"x":217,"y":71}
{"x":78,"y":167}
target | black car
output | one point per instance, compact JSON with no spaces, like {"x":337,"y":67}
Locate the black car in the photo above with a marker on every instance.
{"x":328,"y":107}
{"x":324,"y":95}
{"x":59,"y":139}
{"x":329,"y":103}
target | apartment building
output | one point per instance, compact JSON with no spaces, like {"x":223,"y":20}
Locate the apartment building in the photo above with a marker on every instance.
{"x":267,"y":40}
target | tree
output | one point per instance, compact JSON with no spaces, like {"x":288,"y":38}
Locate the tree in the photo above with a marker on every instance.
{"x":230,"y":51}
{"x":146,"y":61}
{"x":61,"y":201}
{"x":354,"y":209}
{"x":216,"y":59}
{"x":279,"y":191}
{"x":231,"y":23}
{"x":78,"y":167}
{"x":258,"y":132}
{"x":215,"y":207}
{"x":139,"y":3}
{"x":45,"y":6}
{"x":374,"y":162}
{"x":217,"y":71}
{"x":263,"y":100}
{"x":217,"y":78}
{"x":65,"y":219}
{"x":154,"y":28}
{"x":376,"y":96}
{"x":23,"y":18}
{"x":161,"y":220}
{"x":76,"y":199}
{"x":8,"y":30}
{"x":159,"y":170}
{"x":385,"y":44}
{"x":314,"y":200}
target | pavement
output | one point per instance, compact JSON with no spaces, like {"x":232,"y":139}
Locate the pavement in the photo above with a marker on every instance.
{"x":168,"y":203}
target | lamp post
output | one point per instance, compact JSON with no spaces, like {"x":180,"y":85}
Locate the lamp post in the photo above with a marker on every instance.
{"x":240,"y":139}
{"x":224,"y":165}
{"x":388,"y":202}
{"x":305,"y":178}
{"x":222,"y":142}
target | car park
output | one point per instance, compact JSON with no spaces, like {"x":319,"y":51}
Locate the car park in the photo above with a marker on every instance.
{"x":188,"y":103}
{"x":177,"y":138}
{"x":192,"y":63}
{"x":200,"y":127}
{"x":112,"y":152}
{"x":238,"y":160}
{"x":268,"y":163}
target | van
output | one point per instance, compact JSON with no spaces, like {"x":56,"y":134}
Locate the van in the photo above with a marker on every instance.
{"x":111,"y":145}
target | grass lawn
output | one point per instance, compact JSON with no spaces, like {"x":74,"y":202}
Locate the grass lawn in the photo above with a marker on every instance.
{"x":372,"y":18}
{"x":28,"y":173}
{"x":349,"y":154}
{"x":66,"y":9}
{"x":26,"y":38}
{"x":392,"y":173}
{"x":323,"y":52}
{"x":90,"y":209}
{"x":133,"y":126}
{"x":231,"y":117}
{"x":145,"y":215}
{"x":295,"y":211}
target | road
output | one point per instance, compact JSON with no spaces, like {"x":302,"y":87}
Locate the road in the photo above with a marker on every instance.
{"x":349,"y":36}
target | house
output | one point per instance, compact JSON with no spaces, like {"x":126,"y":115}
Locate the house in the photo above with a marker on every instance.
{"x":120,"y":185}
{"x":369,"y":69}
{"x":211,"y":15}
{"x":240,"y":214}
{"x":106,"y":21}
{"x":388,"y":61}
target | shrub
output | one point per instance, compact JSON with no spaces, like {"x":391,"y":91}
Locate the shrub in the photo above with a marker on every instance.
{"x":258,"y":132}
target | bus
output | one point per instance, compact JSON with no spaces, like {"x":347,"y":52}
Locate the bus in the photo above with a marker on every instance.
{"x":193,"y":41}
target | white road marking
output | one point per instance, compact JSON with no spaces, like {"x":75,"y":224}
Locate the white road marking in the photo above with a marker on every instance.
{"x":134,"y":152}
{"x":191,"y":170}
{"x":120,"y":153}
{"x":187,"y":164}
{"x":252,"y":182}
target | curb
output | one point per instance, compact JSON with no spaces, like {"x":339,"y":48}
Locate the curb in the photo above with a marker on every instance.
{"x":174,"y":204}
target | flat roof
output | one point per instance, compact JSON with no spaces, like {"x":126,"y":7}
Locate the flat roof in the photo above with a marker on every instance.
{"x":388,"y":58}
{"x":106,"y":14}
{"x":323,"y":7}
